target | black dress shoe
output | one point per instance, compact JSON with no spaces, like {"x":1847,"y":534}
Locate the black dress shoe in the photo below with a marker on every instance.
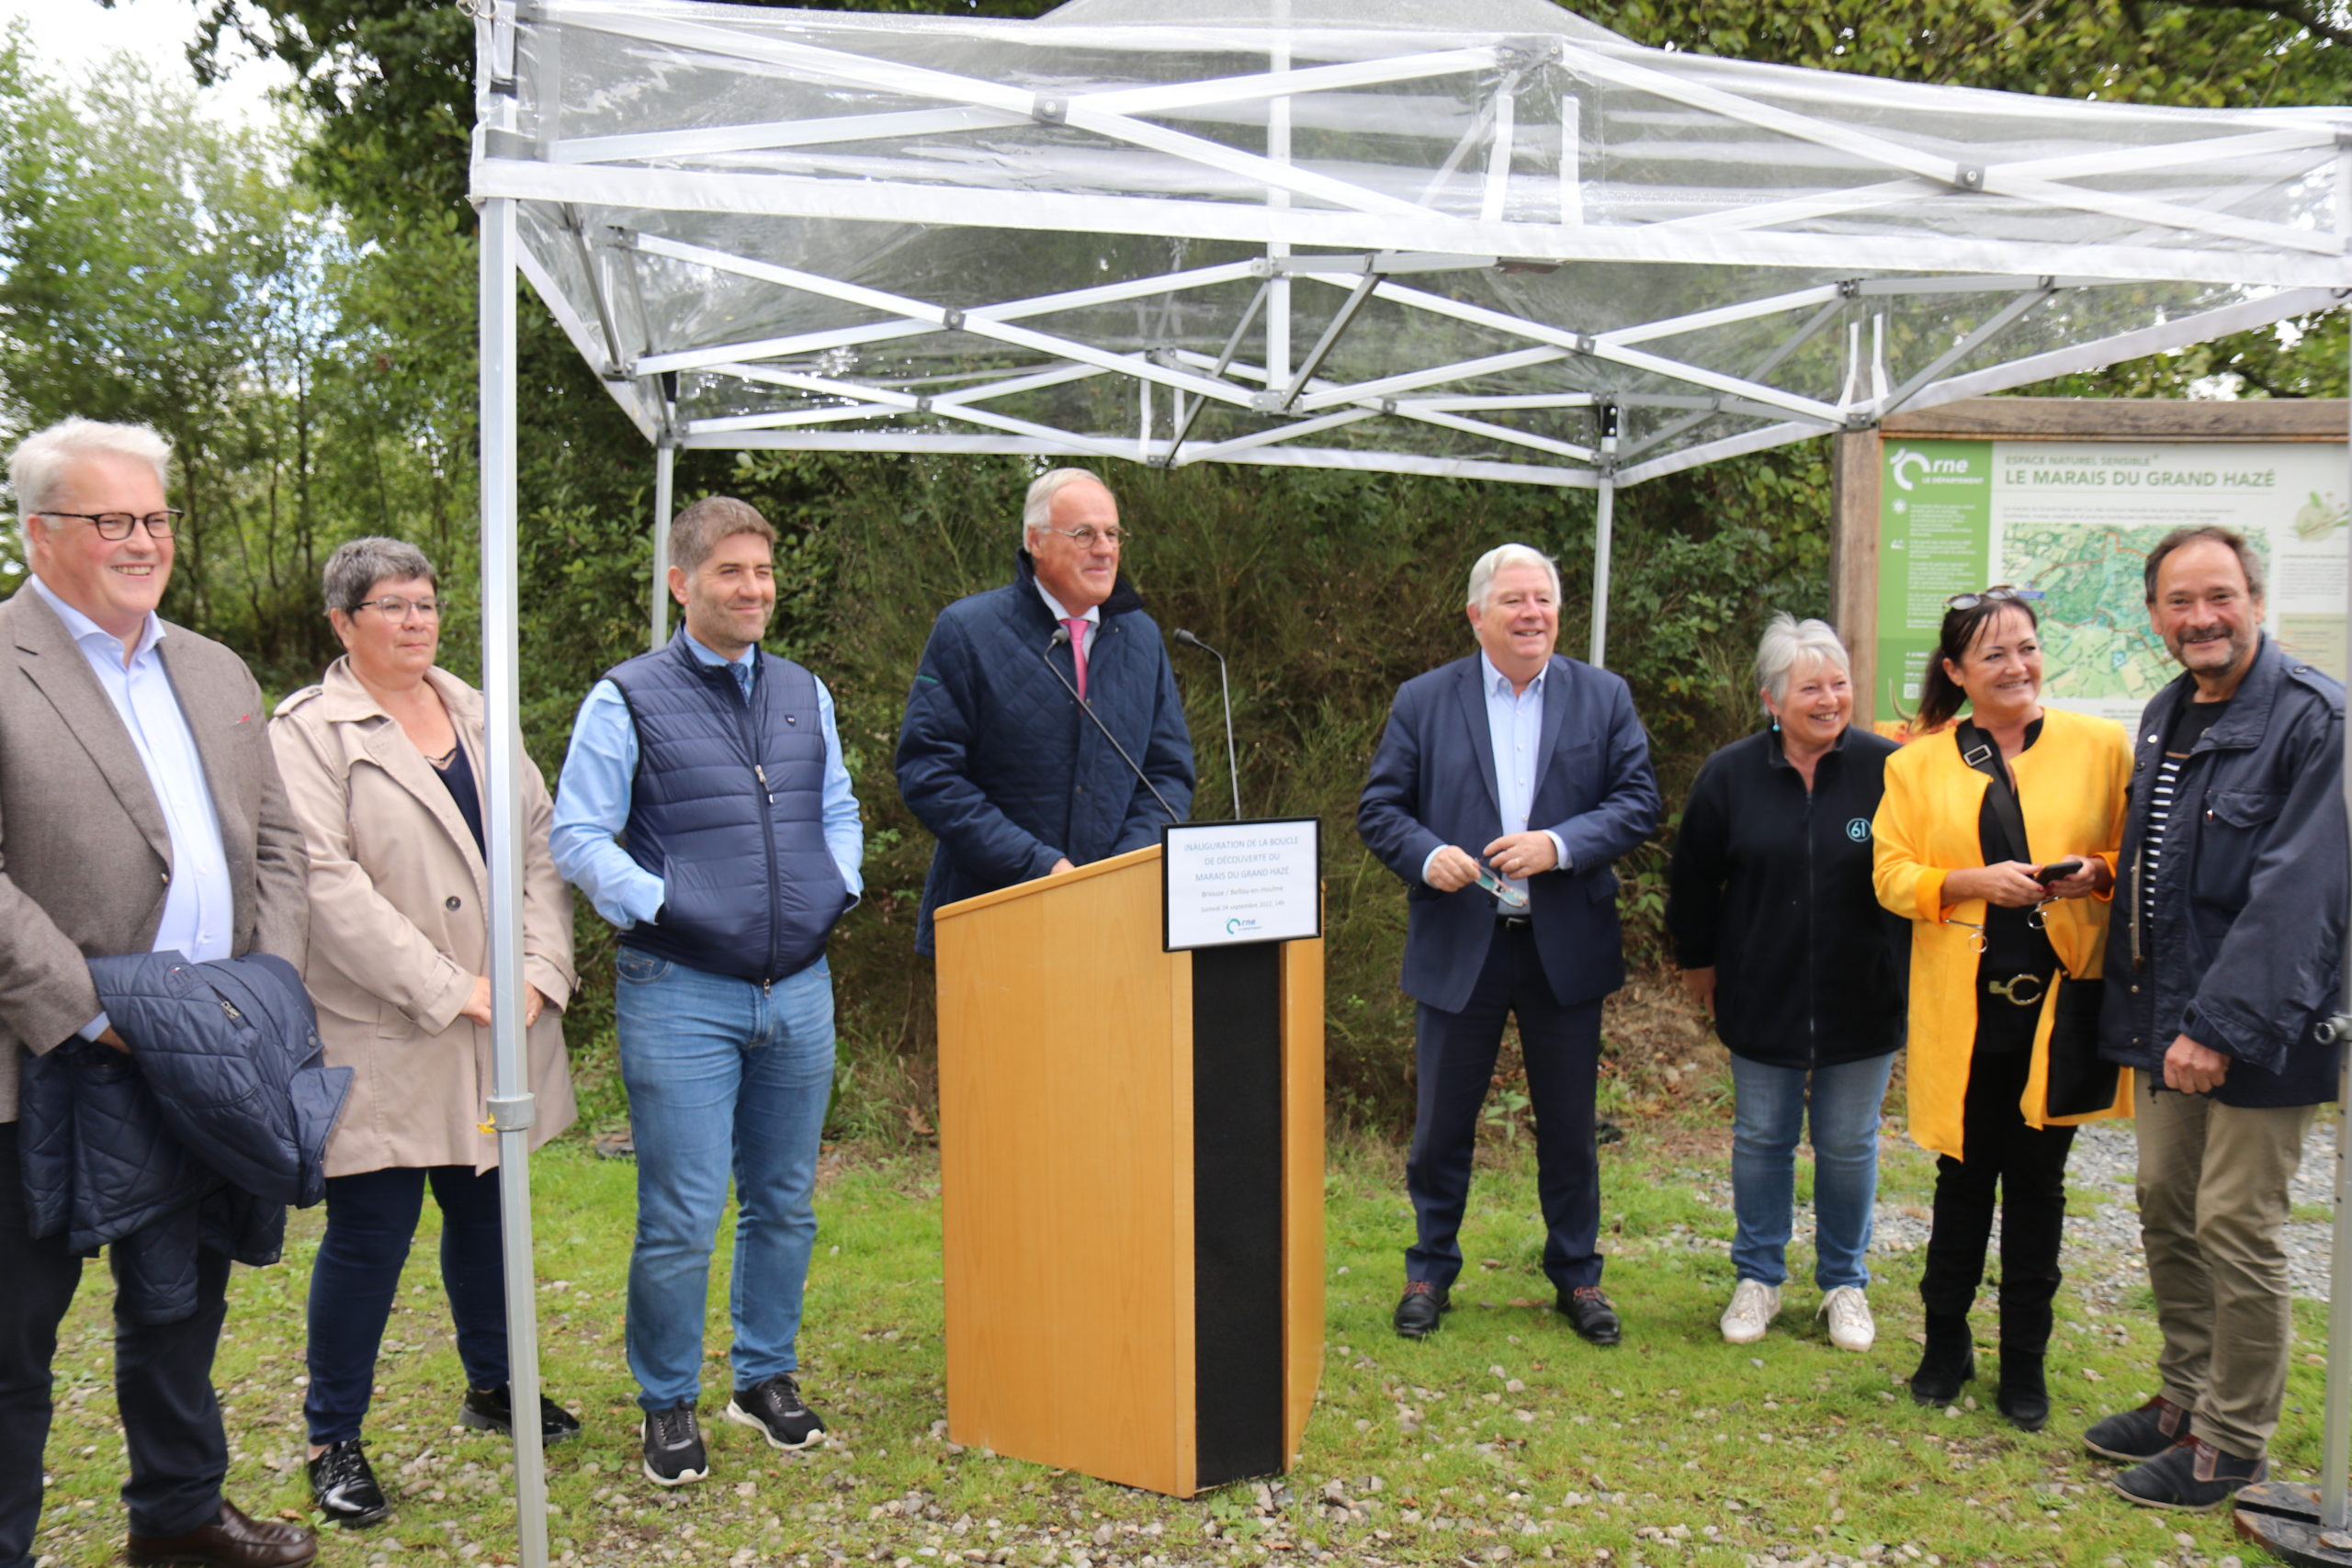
{"x":1588,"y":1311}
{"x":232,"y":1541}
{"x":1416,"y":1314}
{"x":342,"y":1484}
{"x":492,"y":1410}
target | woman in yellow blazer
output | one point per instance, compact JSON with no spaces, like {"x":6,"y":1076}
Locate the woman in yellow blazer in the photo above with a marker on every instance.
{"x":1997,"y":929}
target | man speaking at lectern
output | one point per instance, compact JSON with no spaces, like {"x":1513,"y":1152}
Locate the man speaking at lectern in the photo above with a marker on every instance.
{"x":1532,"y":770}
{"x":994,"y":757}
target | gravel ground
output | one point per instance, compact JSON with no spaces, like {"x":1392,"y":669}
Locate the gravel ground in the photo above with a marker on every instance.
{"x":2103,"y":1260}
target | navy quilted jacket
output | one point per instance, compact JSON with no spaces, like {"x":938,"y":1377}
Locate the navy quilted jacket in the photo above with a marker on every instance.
{"x":200,"y":1137}
{"x":995,"y":759}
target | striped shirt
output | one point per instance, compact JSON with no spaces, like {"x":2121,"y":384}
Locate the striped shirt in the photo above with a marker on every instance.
{"x":2188,"y":727}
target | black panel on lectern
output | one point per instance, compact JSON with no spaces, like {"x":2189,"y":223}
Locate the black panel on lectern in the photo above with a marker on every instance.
{"x":1238,"y":1211}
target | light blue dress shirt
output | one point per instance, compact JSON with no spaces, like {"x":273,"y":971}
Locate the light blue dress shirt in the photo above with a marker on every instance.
{"x":592,"y":801}
{"x":1515,"y":731}
{"x":200,"y":901}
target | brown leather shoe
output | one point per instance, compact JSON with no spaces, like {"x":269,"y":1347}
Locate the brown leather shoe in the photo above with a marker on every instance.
{"x":232,"y":1541}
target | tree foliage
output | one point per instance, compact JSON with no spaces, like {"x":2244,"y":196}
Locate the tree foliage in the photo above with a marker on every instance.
{"x":1326,"y":588}
{"x":158,"y":267}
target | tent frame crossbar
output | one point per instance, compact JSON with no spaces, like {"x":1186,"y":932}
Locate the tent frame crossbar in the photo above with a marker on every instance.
{"x":530,"y":179}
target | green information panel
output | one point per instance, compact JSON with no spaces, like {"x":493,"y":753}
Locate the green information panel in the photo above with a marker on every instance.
{"x":2073,"y":522}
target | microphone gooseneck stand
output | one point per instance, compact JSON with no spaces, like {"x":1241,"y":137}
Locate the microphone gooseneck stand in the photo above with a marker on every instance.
{"x":1225,"y":684}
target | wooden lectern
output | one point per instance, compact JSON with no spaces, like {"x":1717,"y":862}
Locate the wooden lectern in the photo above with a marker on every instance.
{"x":1131,"y":1166}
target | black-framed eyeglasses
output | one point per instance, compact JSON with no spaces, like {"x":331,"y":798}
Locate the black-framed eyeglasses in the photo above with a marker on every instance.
{"x":2000,"y":593}
{"x":392,"y":607}
{"x":117,"y":526}
{"x":1086,"y":532}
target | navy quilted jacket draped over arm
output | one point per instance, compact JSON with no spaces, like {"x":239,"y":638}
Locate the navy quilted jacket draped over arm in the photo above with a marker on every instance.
{"x":200,"y":1137}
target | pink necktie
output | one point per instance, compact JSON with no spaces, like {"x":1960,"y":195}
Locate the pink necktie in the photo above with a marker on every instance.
{"x":1077,"y":625}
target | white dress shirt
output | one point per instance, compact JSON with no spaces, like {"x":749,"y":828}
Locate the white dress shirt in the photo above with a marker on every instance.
{"x":199,"y":902}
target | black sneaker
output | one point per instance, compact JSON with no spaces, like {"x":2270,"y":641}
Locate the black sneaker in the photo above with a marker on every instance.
{"x":776,"y":1410}
{"x":673,"y":1450}
{"x":344,"y":1486}
{"x":492,"y":1410}
{"x":2192,"y":1476}
{"x":2133,"y":1436}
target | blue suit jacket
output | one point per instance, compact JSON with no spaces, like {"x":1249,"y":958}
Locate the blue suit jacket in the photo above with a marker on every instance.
{"x":1433,"y":783}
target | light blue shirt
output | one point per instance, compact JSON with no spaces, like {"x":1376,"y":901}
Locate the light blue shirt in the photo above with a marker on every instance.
{"x":200,"y":901}
{"x":1515,"y":732}
{"x":592,"y":801}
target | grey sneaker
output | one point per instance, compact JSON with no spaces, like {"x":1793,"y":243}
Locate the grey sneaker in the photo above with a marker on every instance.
{"x":776,"y":1410}
{"x":673,"y":1450}
{"x":1851,"y":1327}
{"x":1754,"y":1304}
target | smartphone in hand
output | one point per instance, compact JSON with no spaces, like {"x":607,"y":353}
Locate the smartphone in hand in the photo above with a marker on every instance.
{"x":2057,"y":872}
{"x":1509,"y":897}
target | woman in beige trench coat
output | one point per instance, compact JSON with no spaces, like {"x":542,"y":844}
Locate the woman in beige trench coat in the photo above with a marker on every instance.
{"x":383,"y":763}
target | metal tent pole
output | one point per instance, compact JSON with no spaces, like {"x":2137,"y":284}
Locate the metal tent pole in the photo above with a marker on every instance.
{"x":665,"y":462}
{"x":511,"y":1106}
{"x":2336,"y":1446}
{"x":2277,"y":1515}
{"x":1603,"y":535}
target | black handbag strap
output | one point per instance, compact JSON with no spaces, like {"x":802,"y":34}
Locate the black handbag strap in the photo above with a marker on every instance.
{"x":1980,"y":751}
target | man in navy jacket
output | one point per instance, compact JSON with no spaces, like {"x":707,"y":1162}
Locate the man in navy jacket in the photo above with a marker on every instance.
{"x":1536,"y":765}
{"x":2223,"y":958}
{"x":995,"y":759}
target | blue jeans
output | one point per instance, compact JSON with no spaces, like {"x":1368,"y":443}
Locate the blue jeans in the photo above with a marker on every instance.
{"x":1768,"y":1115}
{"x":371,"y":1219}
{"x":723,"y":1076}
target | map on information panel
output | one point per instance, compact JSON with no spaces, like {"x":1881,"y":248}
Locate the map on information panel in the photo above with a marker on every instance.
{"x":2074,"y":522}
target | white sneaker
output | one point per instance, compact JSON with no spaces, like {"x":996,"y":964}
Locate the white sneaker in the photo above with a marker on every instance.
{"x":1753,"y":1306}
{"x":1849,"y":1312}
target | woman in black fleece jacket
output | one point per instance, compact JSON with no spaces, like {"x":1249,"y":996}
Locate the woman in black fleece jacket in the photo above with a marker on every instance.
{"x":1779,"y":934}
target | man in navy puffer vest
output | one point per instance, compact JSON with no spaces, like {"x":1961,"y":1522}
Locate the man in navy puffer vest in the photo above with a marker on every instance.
{"x":995,"y":759}
{"x":706,"y":812}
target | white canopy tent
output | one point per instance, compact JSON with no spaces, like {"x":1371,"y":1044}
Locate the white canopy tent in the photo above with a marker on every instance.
{"x":1486,"y":239}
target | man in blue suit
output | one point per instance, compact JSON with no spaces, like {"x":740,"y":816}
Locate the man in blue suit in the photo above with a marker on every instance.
{"x":1536,"y":765}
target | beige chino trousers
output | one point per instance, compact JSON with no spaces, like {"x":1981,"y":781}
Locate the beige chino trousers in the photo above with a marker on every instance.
{"x":2213,"y":1199}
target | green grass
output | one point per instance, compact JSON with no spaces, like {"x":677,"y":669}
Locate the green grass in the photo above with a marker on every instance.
{"x":1501,"y":1435}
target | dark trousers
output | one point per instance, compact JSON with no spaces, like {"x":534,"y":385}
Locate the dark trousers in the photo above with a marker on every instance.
{"x":162,"y":1379}
{"x":2021,"y":1168}
{"x":371,"y":1219}
{"x":1455,"y":1053}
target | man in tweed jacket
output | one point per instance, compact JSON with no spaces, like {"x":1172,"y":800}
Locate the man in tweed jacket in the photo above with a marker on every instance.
{"x":140,"y":811}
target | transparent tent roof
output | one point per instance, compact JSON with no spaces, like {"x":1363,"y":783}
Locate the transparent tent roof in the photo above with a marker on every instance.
{"x":1486,"y":238}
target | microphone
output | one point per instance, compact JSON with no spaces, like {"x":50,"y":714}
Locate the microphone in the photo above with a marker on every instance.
{"x":1061,"y":639}
{"x":1233,"y":767}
